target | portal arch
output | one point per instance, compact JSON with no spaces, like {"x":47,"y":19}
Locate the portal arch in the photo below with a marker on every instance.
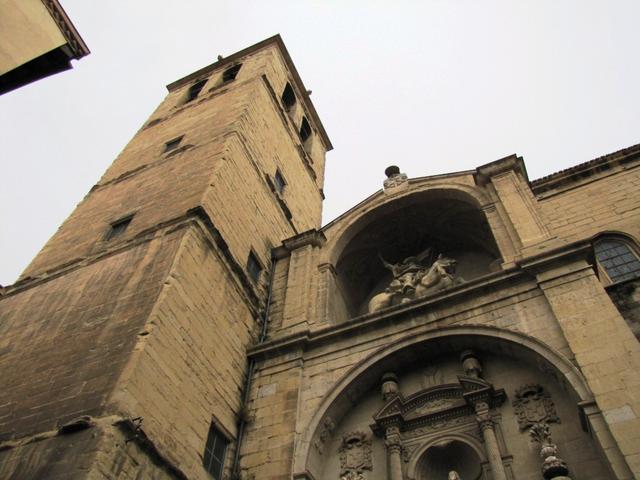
{"x":362,"y":377}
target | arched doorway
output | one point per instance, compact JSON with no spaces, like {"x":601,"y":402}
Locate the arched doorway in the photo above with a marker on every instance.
{"x":446,"y":456}
{"x":436,"y":406}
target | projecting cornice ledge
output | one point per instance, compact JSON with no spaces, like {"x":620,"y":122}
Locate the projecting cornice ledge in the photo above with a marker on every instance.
{"x":308,"y":339}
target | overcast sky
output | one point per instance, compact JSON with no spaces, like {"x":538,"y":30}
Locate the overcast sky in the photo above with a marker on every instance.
{"x":433,"y":86}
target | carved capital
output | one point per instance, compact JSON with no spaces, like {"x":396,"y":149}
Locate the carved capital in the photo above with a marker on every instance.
{"x":393,"y":441}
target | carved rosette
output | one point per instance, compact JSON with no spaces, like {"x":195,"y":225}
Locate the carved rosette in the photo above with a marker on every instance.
{"x":355,"y":455}
{"x":533,"y":405}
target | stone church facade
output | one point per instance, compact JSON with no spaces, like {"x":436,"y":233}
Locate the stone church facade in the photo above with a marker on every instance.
{"x":193,"y":319}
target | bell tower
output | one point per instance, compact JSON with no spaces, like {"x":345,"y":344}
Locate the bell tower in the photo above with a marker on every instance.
{"x":123,"y":344}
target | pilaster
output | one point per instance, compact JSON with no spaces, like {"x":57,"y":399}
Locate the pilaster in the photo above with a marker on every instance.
{"x":508,"y":177}
{"x":605,"y":349}
{"x":302,"y":279}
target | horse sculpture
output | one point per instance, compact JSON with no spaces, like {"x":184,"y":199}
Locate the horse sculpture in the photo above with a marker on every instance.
{"x":439,"y":276}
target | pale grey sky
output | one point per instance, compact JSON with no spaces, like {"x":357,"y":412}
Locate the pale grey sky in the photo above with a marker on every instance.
{"x":433,"y":86}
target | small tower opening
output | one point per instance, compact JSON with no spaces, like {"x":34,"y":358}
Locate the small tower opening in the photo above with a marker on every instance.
{"x":173,"y":144}
{"x":254,"y":267}
{"x":118,"y":227}
{"x":194,"y":90}
{"x":288,"y":98}
{"x":231,"y":73}
{"x":279,"y":182}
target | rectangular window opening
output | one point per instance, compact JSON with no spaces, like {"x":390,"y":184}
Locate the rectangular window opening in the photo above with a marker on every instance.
{"x":215,"y":451}
{"x":305,"y":130}
{"x":279,"y":182}
{"x":194,"y":90}
{"x":288,"y":97}
{"x":118,"y":227}
{"x":173,"y":144}
{"x":231,"y":73}
{"x":254,"y":267}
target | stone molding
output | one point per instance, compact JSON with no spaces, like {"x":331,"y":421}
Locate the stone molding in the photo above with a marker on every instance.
{"x":329,"y":406}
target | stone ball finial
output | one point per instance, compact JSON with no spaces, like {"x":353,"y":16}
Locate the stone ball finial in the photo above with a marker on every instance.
{"x":391,"y":171}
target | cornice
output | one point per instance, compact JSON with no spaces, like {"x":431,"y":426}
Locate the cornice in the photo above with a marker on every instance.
{"x":67,"y":29}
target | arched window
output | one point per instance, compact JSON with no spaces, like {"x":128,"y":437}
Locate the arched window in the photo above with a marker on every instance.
{"x":616,"y":259}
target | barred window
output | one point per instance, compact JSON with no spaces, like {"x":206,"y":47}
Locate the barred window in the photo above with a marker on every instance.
{"x":214,"y":452}
{"x":617,"y":259}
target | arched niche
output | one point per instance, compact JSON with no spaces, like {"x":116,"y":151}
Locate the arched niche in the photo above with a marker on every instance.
{"x":446,"y":220}
{"x":353,"y":394}
{"x":459,"y":453}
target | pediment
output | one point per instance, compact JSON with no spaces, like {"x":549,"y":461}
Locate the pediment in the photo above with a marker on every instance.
{"x":436,"y":403}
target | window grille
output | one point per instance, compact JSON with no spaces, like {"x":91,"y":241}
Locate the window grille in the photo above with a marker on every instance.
{"x":214,"y":452}
{"x":617,"y":259}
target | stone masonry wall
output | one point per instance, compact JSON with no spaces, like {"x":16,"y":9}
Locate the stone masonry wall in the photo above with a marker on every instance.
{"x":606,"y":204}
{"x":64,"y":342}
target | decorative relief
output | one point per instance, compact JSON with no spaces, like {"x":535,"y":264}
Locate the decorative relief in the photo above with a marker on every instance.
{"x":436,"y":425}
{"x":432,"y":376}
{"x":392,"y":440}
{"x":355,"y":455}
{"x":394,"y":177}
{"x":435,"y":405}
{"x":533,"y":405}
{"x":328,"y":426}
{"x":553,"y":467}
{"x":407,"y":451}
{"x":415,"y":277}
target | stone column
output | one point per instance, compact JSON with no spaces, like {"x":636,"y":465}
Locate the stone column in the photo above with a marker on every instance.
{"x":394,"y":453}
{"x":490,"y":441}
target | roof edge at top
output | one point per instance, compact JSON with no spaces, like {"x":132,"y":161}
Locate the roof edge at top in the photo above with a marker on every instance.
{"x":584,"y":169}
{"x":274,"y":40}
{"x":67,"y":29}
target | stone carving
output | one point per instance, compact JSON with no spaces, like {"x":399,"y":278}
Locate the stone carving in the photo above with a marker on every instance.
{"x":389,"y":386}
{"x":471,"y":364}
{"x":553,"y":467}
{"x":533,"y":405}
{"x":394,"y":177}
{"x":412,"y":279}
{"x":352,"y":476}
{"x":355,"y":455}
{"x":435,"y":405}
{"x":432,"y":376}
{"x":328,"y":426}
